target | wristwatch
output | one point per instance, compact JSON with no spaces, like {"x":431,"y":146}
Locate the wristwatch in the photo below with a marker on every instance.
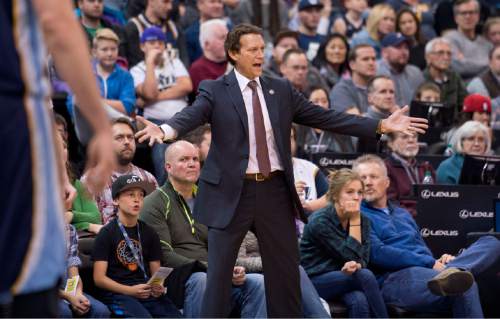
{"x":380,"y":130}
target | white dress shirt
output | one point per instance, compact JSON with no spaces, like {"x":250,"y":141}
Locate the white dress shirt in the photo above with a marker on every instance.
{"x":246,"y":92}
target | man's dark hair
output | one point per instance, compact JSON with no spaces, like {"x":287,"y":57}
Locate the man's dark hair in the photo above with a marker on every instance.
{"x":124,"y":120}
{"x":353,"y":53}
{"x":196,"y":136}
{"x":285,"y":33}
{"x":289,"y":52}
{"x":460,"y":2}
{"x":371,"y":83}
{"x":232,"y":43}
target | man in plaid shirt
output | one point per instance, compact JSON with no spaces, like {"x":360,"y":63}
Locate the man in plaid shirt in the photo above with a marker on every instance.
{"x":76,"y":303}
{"x":124,"y":147}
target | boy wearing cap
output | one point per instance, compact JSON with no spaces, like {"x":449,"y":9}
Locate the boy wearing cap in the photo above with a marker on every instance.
{"x":477,"y":108}
{"x":161,"y":81}
{"x":126,"y":253}
{"x":162,"y":84}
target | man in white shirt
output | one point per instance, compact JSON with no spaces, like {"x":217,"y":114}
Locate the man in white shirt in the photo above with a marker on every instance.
{"x":162,"y":84}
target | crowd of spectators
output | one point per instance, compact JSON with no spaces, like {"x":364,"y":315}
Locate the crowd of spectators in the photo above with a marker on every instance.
{"x":357,"y":56}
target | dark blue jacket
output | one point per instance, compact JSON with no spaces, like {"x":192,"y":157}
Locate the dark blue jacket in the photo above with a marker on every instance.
{"x":220,"y":103}
{"x":395,"y":239}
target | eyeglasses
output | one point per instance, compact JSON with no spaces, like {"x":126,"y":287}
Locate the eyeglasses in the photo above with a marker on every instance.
{"x":474,"y":139}
{"x":468,"y":13}
{"x":299,"y":67}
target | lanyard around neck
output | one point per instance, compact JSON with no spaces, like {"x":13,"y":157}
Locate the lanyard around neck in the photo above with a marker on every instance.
{"x":184,"y":208}
{"x":137,"y":253}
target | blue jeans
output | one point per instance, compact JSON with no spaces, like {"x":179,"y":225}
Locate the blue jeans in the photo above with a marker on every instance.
{"x":249,"y":298}
{"x":407,"y":288}
{"x":97,"y":309}
{"x":124,"y":306}
{"x":311,"y":302}
{"x":359,"y":291}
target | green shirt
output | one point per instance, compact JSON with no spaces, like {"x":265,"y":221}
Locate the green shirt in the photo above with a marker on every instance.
{"x":84,"y":209}
{"x":92,"y":31}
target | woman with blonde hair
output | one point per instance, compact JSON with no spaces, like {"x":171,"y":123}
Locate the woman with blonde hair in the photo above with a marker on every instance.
{"x":335,"y":249}
{"x":381,"y":21}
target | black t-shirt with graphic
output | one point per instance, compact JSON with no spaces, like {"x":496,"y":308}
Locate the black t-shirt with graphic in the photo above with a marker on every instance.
{"x":110,"y":246}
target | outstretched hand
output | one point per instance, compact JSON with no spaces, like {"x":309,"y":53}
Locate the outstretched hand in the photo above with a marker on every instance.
{"x":151,"y":132}
{"x":399,"y":122}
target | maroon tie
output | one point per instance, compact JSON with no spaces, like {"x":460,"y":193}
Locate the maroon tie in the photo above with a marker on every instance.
{"x":260,"y":132}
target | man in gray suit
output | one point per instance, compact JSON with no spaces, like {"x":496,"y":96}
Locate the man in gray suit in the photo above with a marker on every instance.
{"x":247,"y":180}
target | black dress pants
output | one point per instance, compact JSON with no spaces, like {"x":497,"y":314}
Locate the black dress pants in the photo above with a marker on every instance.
{"x":265,"y":207}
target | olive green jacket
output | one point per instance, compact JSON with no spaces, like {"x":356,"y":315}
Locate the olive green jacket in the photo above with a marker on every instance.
{"x":183,"y":240}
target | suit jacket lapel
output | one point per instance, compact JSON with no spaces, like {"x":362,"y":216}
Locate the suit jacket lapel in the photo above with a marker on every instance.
{"x":273,"y":109}
{"x":234,"y":93}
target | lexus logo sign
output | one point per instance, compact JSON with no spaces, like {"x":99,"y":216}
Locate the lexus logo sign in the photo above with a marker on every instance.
{"x":464,"y":214}
{"x":325,"y":161}
{"x":426,"y":194}
{"x":426,"y":232}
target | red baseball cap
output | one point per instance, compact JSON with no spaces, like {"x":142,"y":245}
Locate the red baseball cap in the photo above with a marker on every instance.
{"x":477,"y":103}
